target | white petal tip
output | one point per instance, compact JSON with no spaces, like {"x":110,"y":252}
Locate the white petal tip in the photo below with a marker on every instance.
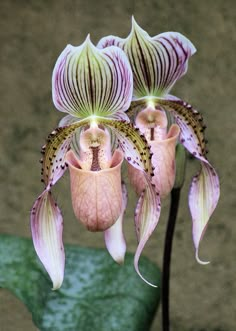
{"x":136,"y":27}
{"x":118,"y":258}
{"x":146,"y":281}
{"x":117,"y":253}
{"x":199,"y":260}
{"x":133,"y":20}
{"x":56,"y":286}
{"x":57,"y":282}
{"x":88,"y":38}
{"x":138,"y":272}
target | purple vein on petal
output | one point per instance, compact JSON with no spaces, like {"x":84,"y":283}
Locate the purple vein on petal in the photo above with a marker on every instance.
{"x":205,"y":189}
{"x":147,"y":215}
{"x":87,"y":80}
{"x":157,"y":62}
{"x":46,"y":227}
{"x":203,"y":198}
{"x":132,"y":143}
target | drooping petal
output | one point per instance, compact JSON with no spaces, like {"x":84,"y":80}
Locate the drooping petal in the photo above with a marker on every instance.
{"x":46,"y":219}
{"x":157,"y":62}
{"x":96,"y":195}
{"x":54,"y":152}
{"x":87,"y":80}
{"x":146,"y":219}
{"x":46,"y":227}
{"x":205,"y":188}
{"x":190,"y":122}
{"x":114,"y":237}
{"x":203,"y":198}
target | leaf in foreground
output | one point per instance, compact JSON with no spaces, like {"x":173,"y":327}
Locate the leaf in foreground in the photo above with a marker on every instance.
{"x":97,"y":294}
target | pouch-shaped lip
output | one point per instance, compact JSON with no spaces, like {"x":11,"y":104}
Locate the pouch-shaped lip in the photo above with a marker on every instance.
{"x":163,"y":161}
{"x":96,"y":195}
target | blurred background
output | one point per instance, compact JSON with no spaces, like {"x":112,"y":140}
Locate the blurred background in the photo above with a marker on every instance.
{"x":32,"y":35}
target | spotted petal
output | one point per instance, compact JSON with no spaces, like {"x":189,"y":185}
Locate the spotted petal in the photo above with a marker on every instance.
{"x":46,"y":227}
{"x":203,"y":198}
{"x":205,"y":189}
{"x":87,"y":80}
{"x":46,"y":219}
{"x":157,"y":62}
{"x":133,"y":144}
{"x":146,"y":219}
{"x":54,"y":152}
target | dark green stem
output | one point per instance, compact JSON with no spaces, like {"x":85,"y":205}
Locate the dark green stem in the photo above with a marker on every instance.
{"x":175,"y":196}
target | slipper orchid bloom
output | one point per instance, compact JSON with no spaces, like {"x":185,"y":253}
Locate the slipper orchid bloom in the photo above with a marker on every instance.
{"x":94,"y":87}
{"x":157,"y":63}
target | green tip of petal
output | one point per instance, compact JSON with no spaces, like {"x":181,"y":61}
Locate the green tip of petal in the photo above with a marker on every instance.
{"x":135,"y":26}
{"x":134,"y":23}
{"x":199,"y":260}
{"x":88,"y":45}
{"x":57,"y":284}
{"x":136,"y":30}
{"x":88,"y":80}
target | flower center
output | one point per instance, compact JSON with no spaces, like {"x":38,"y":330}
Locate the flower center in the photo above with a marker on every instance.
{"x":95,"y":166}
{"x":152,"y":123}
{"x":95,"y":148}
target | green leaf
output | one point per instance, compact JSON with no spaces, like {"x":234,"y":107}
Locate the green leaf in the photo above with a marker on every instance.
{"x":96,"y":294}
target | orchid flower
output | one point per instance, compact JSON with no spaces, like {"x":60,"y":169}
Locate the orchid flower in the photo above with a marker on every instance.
{"x":157,"y":63}
{"x":94,"y":87}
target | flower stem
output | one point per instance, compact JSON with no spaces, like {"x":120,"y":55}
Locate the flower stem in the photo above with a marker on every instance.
{"x":175,"y":196}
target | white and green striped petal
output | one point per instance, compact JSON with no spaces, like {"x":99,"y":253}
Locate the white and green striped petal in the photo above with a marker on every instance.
{"x":90,"y":81}
{"x":203,"y":197}
{"x":46,"y":227}
{"x":147,"y":216}
{"x":157,"y":62}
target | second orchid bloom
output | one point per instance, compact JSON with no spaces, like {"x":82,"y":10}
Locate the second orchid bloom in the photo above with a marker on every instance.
{"x":116,"y":99}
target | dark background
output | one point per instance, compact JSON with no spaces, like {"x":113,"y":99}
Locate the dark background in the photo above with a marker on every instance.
{"x":32,"y":35}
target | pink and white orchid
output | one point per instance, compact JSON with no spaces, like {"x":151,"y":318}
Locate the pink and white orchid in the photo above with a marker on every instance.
{"x":157,"y":63}
{"x":118,"y":107}
{"x":94,"y":87}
